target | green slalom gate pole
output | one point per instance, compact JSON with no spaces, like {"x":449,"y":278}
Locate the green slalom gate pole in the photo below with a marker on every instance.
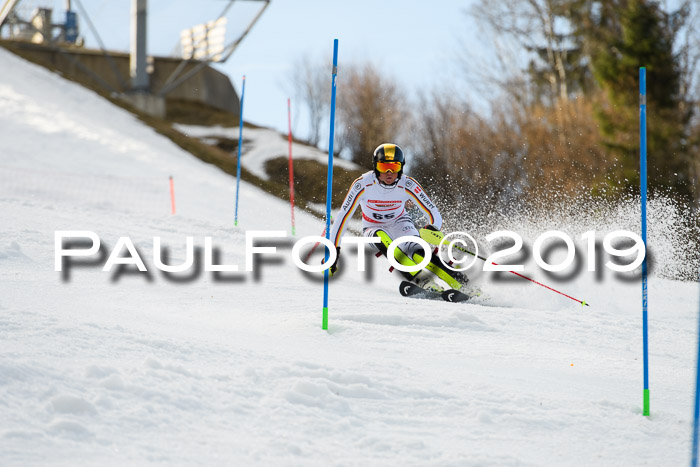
{"x":329,"y":186}
{"x":291,"y":164}
{"x":696,"y":410}
{"x":643,"y":189}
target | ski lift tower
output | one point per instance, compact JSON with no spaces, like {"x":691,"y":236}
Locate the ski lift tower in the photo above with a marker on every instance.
{"x":201,"y":45}
{"x":138,"y":59}
{"x":139,"y":94}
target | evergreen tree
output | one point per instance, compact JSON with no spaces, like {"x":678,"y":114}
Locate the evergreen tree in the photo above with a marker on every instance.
{"x":621,"y":36}
{"x":557,"y":69}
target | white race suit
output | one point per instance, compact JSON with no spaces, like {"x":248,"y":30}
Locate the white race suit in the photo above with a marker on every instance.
{"x":384,"y":208}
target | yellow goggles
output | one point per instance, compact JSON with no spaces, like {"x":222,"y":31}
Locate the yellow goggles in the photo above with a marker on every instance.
{"x":384,"y":167}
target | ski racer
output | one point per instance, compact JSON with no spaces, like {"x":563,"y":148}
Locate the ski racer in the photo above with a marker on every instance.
{"x":382,"y":194}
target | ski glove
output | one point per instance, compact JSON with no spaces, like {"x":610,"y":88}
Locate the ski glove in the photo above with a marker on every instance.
{"x":431,"y":234}
{"x":334,"y":266}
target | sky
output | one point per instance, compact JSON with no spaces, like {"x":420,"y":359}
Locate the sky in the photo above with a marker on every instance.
{"x":415,"y":42}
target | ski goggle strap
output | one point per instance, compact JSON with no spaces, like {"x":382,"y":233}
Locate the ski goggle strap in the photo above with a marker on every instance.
{"x":384,"y":167}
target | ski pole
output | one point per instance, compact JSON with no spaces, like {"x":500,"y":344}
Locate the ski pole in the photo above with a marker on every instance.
{"x":582,"y":302}
{"x":434,"y":236}
{"x":314,"y":247}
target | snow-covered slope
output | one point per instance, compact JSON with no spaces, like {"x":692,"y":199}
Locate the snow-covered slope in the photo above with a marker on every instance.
{"x":137,"y":369}
{"x":264,"y":144}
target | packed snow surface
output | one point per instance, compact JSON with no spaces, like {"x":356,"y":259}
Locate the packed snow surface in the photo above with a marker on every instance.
{"x":197,"y":368}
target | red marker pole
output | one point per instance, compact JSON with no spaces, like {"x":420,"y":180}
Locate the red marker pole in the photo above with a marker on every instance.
{"x":172,"y":194}
{"x":291,"y":165}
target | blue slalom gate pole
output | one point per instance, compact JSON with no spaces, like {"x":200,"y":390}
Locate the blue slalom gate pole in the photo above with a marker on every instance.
{"x":240,"y":139}
{"x":329,"y":186}
{"x":696,"y":412}
{"x":643,"y":186}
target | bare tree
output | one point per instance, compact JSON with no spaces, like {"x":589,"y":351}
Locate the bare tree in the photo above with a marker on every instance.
{"x":442,"y":121}
{"x":687,"y":24}
{"x":372,"y":109}
{"x":312,"y":85}
{"x":460,"y":152}
{"x":543,"y":29}
{"x":540,"y":27}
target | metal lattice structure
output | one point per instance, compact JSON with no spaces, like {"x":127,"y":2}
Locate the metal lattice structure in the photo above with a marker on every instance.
{"x":206,"y":42}
{"x":33,"y":21}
